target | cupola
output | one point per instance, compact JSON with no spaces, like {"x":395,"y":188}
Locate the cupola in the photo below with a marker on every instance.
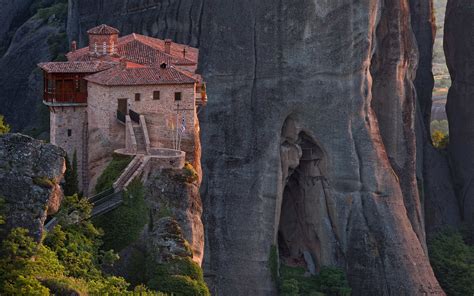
{"x":103,"y":40}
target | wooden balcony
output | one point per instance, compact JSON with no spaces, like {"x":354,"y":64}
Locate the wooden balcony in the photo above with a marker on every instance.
{"x":54,"y":98}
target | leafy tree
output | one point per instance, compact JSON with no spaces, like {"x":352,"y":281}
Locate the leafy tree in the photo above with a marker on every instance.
{"x":4,"y":127}
{"x":440,"y":140}
{"x":453,"y":263}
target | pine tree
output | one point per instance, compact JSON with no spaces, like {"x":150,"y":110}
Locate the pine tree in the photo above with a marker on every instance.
{"x":75,"y":182}
{"x":70,"y":177}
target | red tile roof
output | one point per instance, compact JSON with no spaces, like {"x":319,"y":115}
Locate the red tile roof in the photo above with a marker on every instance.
{"x":103,"y":30}
{"x":76,"y":67}
{"x":120,"y":75}
{"x":145,"y":50}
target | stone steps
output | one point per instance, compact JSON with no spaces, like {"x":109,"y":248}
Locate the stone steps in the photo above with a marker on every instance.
{"x":140,"y":138}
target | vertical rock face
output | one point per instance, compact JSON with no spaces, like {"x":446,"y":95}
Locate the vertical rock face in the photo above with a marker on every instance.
{"x":169,"y":192}
{"x":458,"y":44}
{"x":311,"y":116}
{"x":176,"y":19}
{"x":441,"y":208}
{"x":30,"y":172}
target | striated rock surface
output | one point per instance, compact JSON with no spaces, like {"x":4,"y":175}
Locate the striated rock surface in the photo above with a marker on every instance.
{"x":179,"y":20}
{"x":433,"y":174}
{"x":458,"y":44}
{"x":11,"y":14}
{"x":20,"y":80}
{"x":30,"y":172}
{"x":171,"y":193}
{"x":312,"y":117}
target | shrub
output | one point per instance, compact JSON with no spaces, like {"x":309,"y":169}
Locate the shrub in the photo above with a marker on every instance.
{"x":190,"y":173}
{"x":111,"y":173}
{"x":44,"y":182}
{"x":71,"y":184}
{"x":290,"y":287}
{"x":453,"y":263}
{"x":181,"y":277}
{"x":123,"y":225}
{"x":440,"y":140}
{"x":332,"y":281}
{"x":4,"y":127}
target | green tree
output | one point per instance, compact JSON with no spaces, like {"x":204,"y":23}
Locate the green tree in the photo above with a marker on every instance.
{"x":440,"y":140}
{"x":453,"y":263}
{"x":4,"y":127}
{"x":71,"y":185}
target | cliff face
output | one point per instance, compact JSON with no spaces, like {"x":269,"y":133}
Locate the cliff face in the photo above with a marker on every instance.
{"x":458,"y":44}
{"x":313,"y":103}
{"x":30,"y":172}
{"x":436,"y":190}
{"x":179,"y":20}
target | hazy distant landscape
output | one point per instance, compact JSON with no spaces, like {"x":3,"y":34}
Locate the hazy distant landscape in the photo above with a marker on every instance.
{"x":440,"y":70}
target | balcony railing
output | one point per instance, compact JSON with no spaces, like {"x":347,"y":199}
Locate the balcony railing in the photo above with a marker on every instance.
{"x":121,"y":116}
{"x":134,"y":116}
{"x":65,"y":97}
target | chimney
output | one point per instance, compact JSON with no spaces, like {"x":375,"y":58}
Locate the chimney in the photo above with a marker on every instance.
{"x":73,"y":46}
{"x":123,"y":63}
{"x":168,"y":45}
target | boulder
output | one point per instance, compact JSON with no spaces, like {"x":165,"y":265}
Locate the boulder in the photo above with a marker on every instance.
{"x":30,"y":171}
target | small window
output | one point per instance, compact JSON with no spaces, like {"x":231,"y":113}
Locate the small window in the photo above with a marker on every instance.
{"x":156,"y":95}
{"x":137,"y":97}
{"x":177,"y":96}
{"x":69,"y":132}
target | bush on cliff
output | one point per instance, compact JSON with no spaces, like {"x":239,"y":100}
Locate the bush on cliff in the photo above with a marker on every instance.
{"x":453,"y":263}
{"x":111,"y":173}
{"x":123,"y":225}
{"x":4,"y":127}
{"x":181,"y":276}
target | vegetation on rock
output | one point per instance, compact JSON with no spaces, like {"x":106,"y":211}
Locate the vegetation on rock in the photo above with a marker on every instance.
{"x":113,"y":170}
{"x":453,"y":263}
{"x":123,"y":225}
{"x":71,"y":185}
{"x":295,"y":281}
{"x":4,"y":127}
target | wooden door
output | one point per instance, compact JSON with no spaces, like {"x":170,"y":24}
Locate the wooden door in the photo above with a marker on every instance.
{"x":123,"y":106}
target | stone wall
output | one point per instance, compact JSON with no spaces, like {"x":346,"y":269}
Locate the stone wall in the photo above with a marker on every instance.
{"x":107,"y":134}
{"x":68,"y":126}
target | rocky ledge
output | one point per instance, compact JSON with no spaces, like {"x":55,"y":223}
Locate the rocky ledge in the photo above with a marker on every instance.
{"x":30,"y":171}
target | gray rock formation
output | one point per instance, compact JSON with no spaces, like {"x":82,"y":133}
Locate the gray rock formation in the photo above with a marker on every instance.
{"x":335,"y":78}
{"x":169,"y":193}
{"x":179,"y":20}
{"x":458,"y":41}
{"x":11,"y":13}
{"x":30,"y":171}
{"x":433,"y":175}
{"x":20,"y":79}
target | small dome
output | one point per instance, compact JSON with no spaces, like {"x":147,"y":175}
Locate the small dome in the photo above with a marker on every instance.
{"x":103,"y":30}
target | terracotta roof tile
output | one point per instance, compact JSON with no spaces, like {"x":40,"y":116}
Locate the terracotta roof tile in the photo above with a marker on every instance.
{"x":76,"y":67}
{"x":120,"y":75}
{"x":145,"y":50}
{"x":103,"y":30}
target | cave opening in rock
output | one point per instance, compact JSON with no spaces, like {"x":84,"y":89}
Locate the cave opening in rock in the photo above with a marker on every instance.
{"x":304,"y":190}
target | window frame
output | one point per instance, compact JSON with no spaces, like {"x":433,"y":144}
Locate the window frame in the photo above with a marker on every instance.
{"x":155,"y":95}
